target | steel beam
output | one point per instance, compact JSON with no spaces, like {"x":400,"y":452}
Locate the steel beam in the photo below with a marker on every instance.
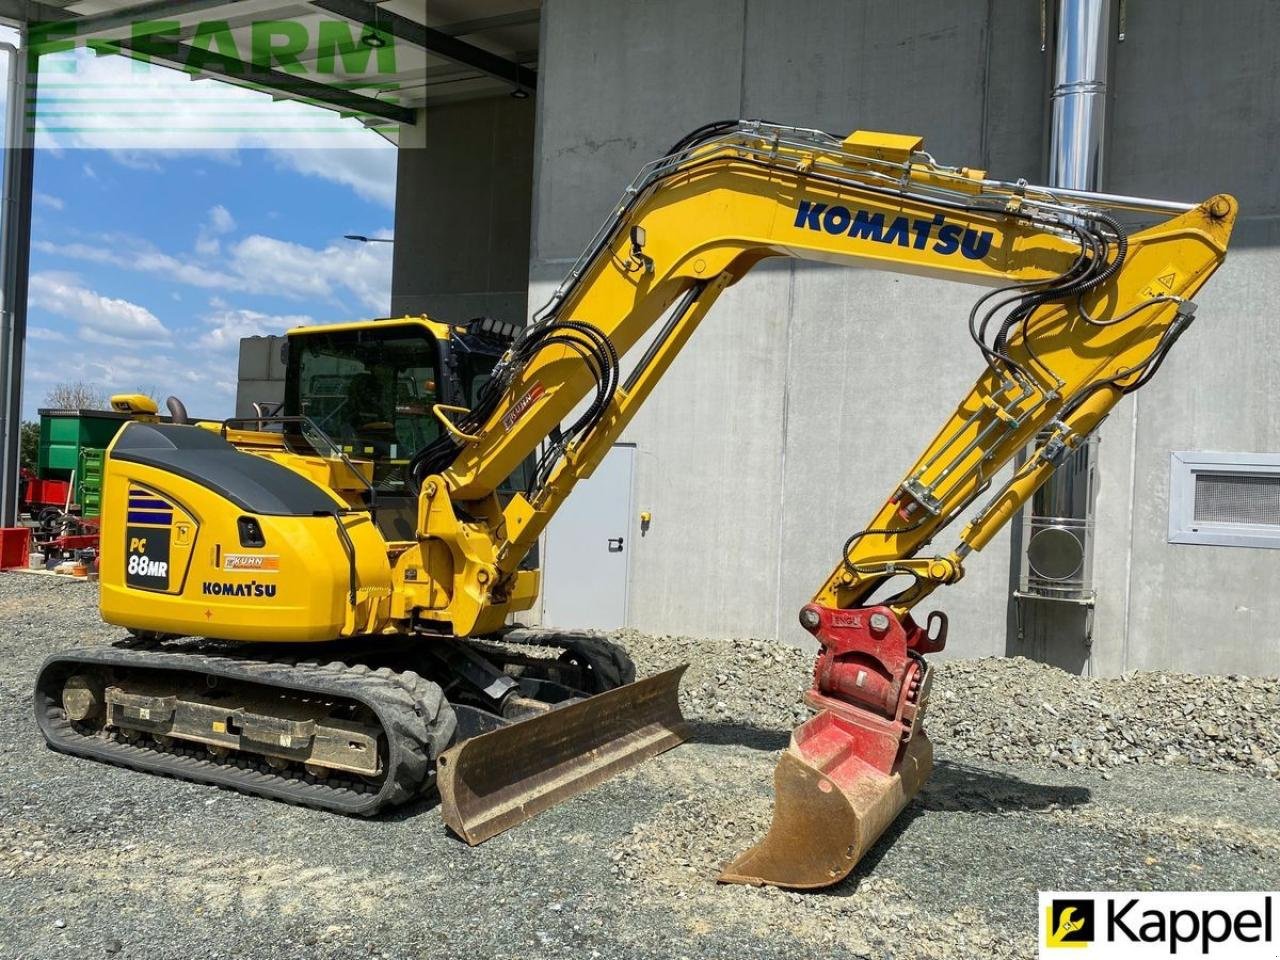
{"x":231,"y":71}
{"x":120,"y":24}
{"x":463,"y":28}
{"x":435,"y":42}
{"x":21,"y":12}
{"x":15,"y":261}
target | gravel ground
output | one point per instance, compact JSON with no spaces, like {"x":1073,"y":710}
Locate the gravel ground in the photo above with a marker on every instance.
{"x":1153,"y":781}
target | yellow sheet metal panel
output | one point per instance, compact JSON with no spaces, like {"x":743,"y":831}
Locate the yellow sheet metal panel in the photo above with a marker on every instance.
{"x":172,"y":561}
{"x":893,"y":147}
{"x":438,"y":330}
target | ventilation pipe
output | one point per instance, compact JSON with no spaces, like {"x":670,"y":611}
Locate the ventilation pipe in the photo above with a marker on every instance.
{"x":1079,"y":99}
{"x":1057,"y":563}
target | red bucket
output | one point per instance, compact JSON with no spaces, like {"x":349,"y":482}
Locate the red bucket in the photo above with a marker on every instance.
{"x":15,"y":548}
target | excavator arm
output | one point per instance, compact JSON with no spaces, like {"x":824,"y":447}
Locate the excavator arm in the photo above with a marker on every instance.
{"x":1080,"y":312}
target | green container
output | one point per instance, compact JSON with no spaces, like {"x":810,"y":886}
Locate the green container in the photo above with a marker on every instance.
{"x":64,"y":433}
{"x":89,"y":482}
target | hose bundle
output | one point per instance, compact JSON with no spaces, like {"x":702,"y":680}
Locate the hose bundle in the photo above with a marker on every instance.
{"x":586,"y":341}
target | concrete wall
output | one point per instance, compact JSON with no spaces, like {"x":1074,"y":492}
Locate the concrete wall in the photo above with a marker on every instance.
{"x":809,"y":389}
{"x":260,"y":373}
{"x":1196,"y":88}
{"x":463,"y":201}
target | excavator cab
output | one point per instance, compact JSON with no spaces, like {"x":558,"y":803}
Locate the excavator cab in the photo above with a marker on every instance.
{"x":374,"y":387}
{"x":378,"y":390}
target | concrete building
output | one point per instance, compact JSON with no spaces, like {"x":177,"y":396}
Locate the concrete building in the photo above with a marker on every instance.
{"x":809,"y":389}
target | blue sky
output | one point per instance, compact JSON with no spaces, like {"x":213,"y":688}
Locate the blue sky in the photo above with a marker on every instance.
{"x":154,"y":253}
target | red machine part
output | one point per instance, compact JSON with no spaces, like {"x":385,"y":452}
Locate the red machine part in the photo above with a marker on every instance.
{"x":867,"y":682}
{"x":854,"y":766}
{"x":71,"y":543}
{"x":37,"y":493}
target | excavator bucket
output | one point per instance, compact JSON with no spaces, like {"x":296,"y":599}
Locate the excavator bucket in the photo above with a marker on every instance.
{"x":831,"y":805}
{"x":500,"y":779}
{"x":852,"y":767}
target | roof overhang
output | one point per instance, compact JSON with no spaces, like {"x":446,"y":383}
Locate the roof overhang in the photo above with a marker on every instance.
{"x":380,"y":61}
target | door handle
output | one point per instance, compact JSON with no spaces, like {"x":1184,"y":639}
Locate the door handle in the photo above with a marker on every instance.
{"x":615,"y":544}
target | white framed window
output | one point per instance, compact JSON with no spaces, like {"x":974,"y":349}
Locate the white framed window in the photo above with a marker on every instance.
{"x":1224,"y":499}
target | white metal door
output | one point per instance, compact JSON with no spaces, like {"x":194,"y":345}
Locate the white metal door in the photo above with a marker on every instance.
{"x":584,"y":567}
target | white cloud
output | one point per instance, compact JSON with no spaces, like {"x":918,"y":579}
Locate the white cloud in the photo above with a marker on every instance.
{"x":137,"y":160}
{"x":206,"y":383}
{"x":257,"y":264}
{"x":228,"y":326}
{"x":371,"y":173}
{"x":45,"y":334}
{"x":220,"y":220}
{"x":101,"y":319}
{"x":130,"y":253}
{"x":219,"y":223}
{"x":308,"y":140}
{"x":197,"y":114}
{"x":48,"y":200}
{"x":292,"y":269}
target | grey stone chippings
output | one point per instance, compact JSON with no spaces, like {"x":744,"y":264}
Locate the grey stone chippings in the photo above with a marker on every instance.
{"x":1042,"y":781}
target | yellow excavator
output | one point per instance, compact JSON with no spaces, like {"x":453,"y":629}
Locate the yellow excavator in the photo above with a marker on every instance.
{"x":320,"y":602}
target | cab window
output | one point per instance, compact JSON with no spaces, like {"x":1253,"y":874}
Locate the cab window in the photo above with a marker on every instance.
{"x":372,"y":392}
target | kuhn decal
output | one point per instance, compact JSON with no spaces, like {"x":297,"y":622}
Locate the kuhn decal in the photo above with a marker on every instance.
{"x":251,"y":563}
{"x":514,"y":415}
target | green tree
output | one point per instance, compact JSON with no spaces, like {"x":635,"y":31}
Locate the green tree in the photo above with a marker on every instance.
{"x":29,"y":444}
{"x":76,"y":395}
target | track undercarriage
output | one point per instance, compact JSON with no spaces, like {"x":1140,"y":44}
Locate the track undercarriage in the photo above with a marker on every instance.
{"x":359,"y":729}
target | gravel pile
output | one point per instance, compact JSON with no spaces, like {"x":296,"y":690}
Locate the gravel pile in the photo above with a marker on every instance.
{"x":1014,"y":713}
{"x":1019,"y":711}
{"x":1010,"y":710}
{"x":98,"y":861}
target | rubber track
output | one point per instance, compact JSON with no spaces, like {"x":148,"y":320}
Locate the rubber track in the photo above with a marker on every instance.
{"x":417,"y":721}
{"x":609,"y":663}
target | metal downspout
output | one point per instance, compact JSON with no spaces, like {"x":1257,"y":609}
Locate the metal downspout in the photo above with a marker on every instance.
{"x":1057,"y":567}
{"x":1079,"y":98}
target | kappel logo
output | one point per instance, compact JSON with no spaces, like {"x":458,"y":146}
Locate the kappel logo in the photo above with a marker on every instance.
{"x":1111,"y":924}
{"x":1069,"y":923}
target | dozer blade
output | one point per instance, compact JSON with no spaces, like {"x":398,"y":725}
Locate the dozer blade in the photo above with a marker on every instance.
{"x":497,"y":780}
{"x":831,"y":805}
